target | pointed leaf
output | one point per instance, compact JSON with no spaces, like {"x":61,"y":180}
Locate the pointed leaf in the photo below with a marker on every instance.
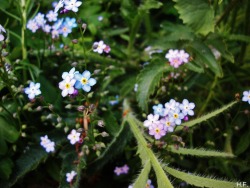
{"x":148,"y":79}
{"x":203,"y":55}
{"x":197,"y":14}
{"x":199,"y":181}
{"x":199,"y":152}
{"x":141,"y":180}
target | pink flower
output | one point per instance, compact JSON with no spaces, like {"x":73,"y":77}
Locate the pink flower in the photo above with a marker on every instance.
{"x":118,"y":171}
{"x":183,"y":56}
{"x":167,"y":124}
{"x":125,"y":169}
{"x":157,"y":130}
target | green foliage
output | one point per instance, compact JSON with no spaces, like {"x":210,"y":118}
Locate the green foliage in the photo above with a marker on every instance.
{"x":29,"y":161}
{"x":8,"y":133}
{"x":199,"y":181}
{"x":200,"y":152}
{"x":148,"y":79}
{"x":197,"y":14}
{"x":215,"y":34}
{"x":207,"y":116}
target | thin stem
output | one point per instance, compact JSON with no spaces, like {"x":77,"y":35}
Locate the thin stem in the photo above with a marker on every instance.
{"x":210,"y":95}
{"x":23,"y":42}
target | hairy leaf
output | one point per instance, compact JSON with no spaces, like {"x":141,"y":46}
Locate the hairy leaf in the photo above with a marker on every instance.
{"x":206,"y":117}
{"x":145,"y":152}
{"x":197,"y":14}
{"x":142,"y":178}
{"x":199,"y":152}
{"x":199,"y":181}
{"x":148,"y":79}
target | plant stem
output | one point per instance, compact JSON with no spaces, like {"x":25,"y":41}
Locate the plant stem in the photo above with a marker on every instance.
{"x":211,"y":92}
{"x":23,"y":43}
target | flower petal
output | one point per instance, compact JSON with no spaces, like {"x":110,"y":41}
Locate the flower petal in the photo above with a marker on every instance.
{"x":92,"y":81}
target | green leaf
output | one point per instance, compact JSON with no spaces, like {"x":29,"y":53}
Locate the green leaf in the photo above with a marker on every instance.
{"x":110,"y":123}
{"x":127,"y":85}
{"x":114,"y":147}
{"x":194,"y":67}
{"x":6,"y":166}
{"x":203,"y":55}
{"x":206,"y":117}
{"x":8,"y":133}
{"x":243,"y":144}
{"x":176,"y":32}
{"x":197,"y":14}
{"x":148,"y":79}
{"x":27,"y":162}
{"x":199,"y":152}
{"x":142,"y":178}
{"x":144,"y":151}
{"x":68,"y":155}
{"x":199,"y":181}
{"x":217,"y":43}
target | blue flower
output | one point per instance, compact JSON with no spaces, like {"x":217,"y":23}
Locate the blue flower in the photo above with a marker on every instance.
{"x":84,"y":81}
{"x":71,"y":22}
{"x":158,"y":109}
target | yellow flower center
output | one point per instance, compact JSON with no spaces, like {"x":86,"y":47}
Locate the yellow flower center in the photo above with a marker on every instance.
{"x":157,"y":130}
{"x":67,"y":86}
{"x":167,"y":123}
{"x":176,"y":116}
{"x":84,"y":81}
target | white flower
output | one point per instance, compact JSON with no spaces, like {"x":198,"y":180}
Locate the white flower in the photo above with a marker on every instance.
{"x":71,"y":73}
{"x":32,"y":25}
{"x":172,"y":105}
{"x":99,"y":47}
{"x":59,"y":5}
{"x":33,"y":90}
{"x":72,"y":5}
{"x":246,"y":96}
{"x":1,"y":37}
{"x":176,"y":116}
{"x":50,"y":147}
{"x":70,"y":176}
{"x":183,"y":56}
{"x":67,"y":86}
{"x":2,"y":29}
{"x":47,"y":144}
{"x":44,"y":140}
{"x":52,"y":16}
{"x":40,"y":19}
{"x":187,"y":107}
{"x":152,"y":119}
{"x":74,"y":137}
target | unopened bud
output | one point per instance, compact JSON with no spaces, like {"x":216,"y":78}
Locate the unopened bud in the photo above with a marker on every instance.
{"x":84,"y":26}
{"x":74,"y":41}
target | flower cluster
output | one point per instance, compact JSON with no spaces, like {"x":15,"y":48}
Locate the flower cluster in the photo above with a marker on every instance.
{"x":74,"y":137}
{"x":167,"y":116}
{"x":52,"y":24}
{"x":121,"y":170}
{"x":67,"y":5}
{"x":2,"y":30}
{"x":100,"y":47}
{"x":33,"y":90}
{"x":47,"y":144}
{"x":73,"y":80}
{"x":70,"y":176}
{"x":246,"y":96}
{"x":177,"y":57}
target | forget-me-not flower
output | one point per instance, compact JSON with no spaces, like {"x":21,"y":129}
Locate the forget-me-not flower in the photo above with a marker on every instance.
{"x":84,"y":81}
